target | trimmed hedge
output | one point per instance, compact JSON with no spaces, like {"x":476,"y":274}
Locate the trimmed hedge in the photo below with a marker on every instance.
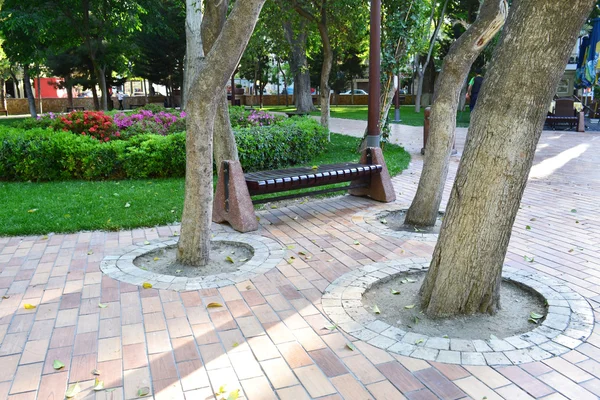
{"x":46,"y":155}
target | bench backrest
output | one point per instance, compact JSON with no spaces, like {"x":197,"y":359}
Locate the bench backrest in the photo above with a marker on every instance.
{"x":564,"y":108}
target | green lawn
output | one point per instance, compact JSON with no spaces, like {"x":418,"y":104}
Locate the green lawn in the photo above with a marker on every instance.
{"x":408,"y":116}
{"x":40,"y":208}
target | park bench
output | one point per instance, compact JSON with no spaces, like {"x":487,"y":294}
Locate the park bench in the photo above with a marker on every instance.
{"x":69,"y":109}
{"x":565,"y":114}
{"x":233,"y":201}
{"x":5,"y":112}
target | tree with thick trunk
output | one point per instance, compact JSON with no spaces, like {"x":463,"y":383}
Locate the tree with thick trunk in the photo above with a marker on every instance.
{"x":204,"y":97}
{"x":193,"y":46}
{"x":215,"y":14}
{"x":466,"y":271}
{"x":29,"y":91}
{"x":424,"y":208}
{"x":299,"y":64}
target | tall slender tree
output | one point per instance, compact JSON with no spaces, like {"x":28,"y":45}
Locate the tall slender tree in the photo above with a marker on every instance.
{"x":424,"y":209}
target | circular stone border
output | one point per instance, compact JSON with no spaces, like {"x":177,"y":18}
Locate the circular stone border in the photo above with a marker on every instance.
{"x":569,"y":320}
{"x":369,"y":220}
{"x":267,"y":254}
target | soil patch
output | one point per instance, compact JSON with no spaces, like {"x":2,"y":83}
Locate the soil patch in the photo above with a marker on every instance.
{"x":517,"y":303}
{"x":162,"y":261}
{"x":395,"y":221}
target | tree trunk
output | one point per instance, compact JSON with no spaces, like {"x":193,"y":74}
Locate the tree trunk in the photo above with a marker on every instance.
{"x":299,"y":66}
{"x":465,"y":273}
{"x":457,"y":63}
{"x":101,"y":76}
{"x":325,"y":71}
{"x":193,"y":47}
{"x":204,"y":96}
{"x":2,"y":94}
{"x":15,"y":84}
{"x":215,"y":14}
{"x":95,"y":96}
{"x":29,"y":92}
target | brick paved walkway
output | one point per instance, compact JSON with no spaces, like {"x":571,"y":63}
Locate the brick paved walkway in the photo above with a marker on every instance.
{"x":268,"y":340}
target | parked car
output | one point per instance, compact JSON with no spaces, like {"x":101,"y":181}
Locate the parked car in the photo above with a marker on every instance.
{"x":356,"y":91}
{"x":290,"y":90}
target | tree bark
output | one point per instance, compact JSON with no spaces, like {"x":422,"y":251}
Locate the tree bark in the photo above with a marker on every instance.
{"x":215,"y":14}
{"x":16,"y":84}
{"x":29,"y":91}
{"x":465,"y":273}
{"x":205,"y":93}
{"x":101,"y":75}
{"x":193,"y":47}
{"x":446,"y":97}
{"x":299,"y":66}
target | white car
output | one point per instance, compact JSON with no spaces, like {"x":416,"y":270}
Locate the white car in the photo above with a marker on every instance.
{"x":356,"y":91}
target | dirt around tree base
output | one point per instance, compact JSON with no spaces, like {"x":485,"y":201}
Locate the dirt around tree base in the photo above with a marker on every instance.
{"x":517,"y":303}
{"x":395,"y":221}
{"x":162,"y":261}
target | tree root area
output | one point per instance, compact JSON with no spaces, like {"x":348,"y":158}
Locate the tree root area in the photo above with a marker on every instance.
{"x":404,"y":311}
{"x":224,"y":257}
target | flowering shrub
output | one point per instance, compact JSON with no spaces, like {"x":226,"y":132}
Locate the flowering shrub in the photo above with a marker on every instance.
{"x":242,"y":118}
{"x":148,"y":122}
{"x":95,"y":124}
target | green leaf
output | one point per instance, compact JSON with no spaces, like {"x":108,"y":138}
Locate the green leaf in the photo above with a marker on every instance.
{"x":72,"y":390}
{"x":146,"y":242}
{"x":331,"y":328}
{"x":493,"y":337}
{"x":419,"y":341}
{"x":376,"y":309}
{"x":98,"y":385}
{"x":416,"y":320}
{"x":535,"y":315}
{"x":528,"y":259}
{"x":445,"y":336}
{"x":535,"y":321}
{"x":350,"y":346}
{"x":527,"y":227}
{"x":231,"y":260}
{"x":57,"y":364}
{"x":221,"y":389}
{"x":573,"y":210}
{"x":383,"y":221}
{"x":234,"y":395}
{"x":410,"y":280}
{"x":144,"y":391}
{"x":102,"y":305}
{"x":409,"y":306}
{"x":394,"y":292}
{"x":356,"y":242}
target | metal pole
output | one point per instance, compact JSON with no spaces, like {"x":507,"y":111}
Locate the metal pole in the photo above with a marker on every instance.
{"x":373,"y":128}
{"x":397,"y":100}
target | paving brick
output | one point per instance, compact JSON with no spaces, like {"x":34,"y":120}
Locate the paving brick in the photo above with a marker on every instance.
{"x":399,"y":376}
{"x":384,"y":390}
{"x":439,"y":384}
{"x":350,"y":388}
{"x":278,"y":373}
{"x":314,"y":381}
{"x":328,"y":362}
{"x":27,"y":378}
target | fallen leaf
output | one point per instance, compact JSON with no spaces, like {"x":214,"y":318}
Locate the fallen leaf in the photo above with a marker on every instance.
{"x":235,"y":344}
{"x":330,"y":260}
{"x":409,"y":306}
{"x":6,"y":297}
{"x":527,"y":227}
{"x":146,"y":285}
{"x":178,"y":271}
{"x":156,"y":258}
{"x":295,"y":218}
{"x":445,"y":336}
{"x":356,"y":242}
{"x":146,"y":242}
{"x":576,"y":221}
{"x":410,"y":280}
{"x":72,"y":390}
{"x":257,"y":218}
{"x":234,"y":395}
{"x":493,"y":337}
{"x":376,"y":309}
{"x":315,"y":167}
{"x":57,"y":364}
{"x":273,"y":207}
{"x":98,"y":385}
{"x":573,"y":210}
{"x":535,"y":321}
{"x":127,"y":205}
{"x":32,"y":210}
{"x":45,"y":237}
{"x":572,"y":250}
{"x":535,"y":315}
{"x":331,"y":328}
{"x":532,"y":219}
{"x":28,"y":306}
{"x":221,"y":389}
{"x":248,"y":287}
{"x":95,"y":372}
{"x":350,"y":346}
{"x":419,"y":341}
{"x":416,"y":320}
{"x":90,"y":252}
{"x":290,"y":246}
{"x":144,"y":268}
{"x":144,"y":391}
{"x":243,"y":259}
{"x":302,"y":253}
{"x":395,"y":292}
{"x":214,"y":305}
{"x":383,"y":221}
{"x":175,"y":233}
{"x":231,"y":260}
{"x":528,"y":259}
{"x":102,"y":305}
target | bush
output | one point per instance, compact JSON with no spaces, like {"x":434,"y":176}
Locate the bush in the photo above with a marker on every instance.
{"x":45,"y":155}
{"x":291,"y":141}
{"x":148,"y":122}
{"x":240,"y":117}
{"x":95,"y":124}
